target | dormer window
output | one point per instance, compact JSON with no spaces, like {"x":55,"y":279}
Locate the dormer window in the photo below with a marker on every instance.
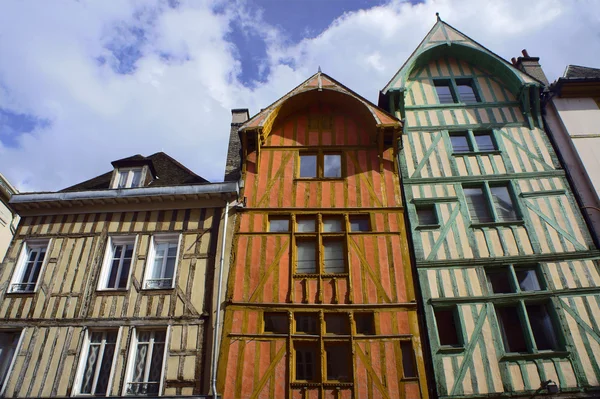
{"x":128,"y":178}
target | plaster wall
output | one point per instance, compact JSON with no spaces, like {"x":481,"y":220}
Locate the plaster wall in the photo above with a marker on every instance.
{"x":6,"y":232}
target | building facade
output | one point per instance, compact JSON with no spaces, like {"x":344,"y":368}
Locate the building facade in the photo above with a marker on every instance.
{"x":320,"y":297}
{"x":107,"y":287}
{"x":8,"y":217}
{"x":508,"y":271}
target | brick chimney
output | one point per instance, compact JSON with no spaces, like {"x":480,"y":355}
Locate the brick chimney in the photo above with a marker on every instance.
{"x":233,"y":164}
{"x":531,"y":66}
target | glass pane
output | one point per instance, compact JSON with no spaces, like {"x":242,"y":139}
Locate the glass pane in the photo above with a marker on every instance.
{"x":426,"y":215}
{"x":477,"y":204}
{"x":365,"y":323}
{"x":140,"y":362}
{"x":511,"y":329}
{"x":332,"y":225}
{"x":484,"y":142}
{"x":528,"y":279}
{"x":503,"y":203}
{"x":306,"y":256}
{"x":106,"y":365}
{"x":447,"y":327}
{"x":112,"y":277}
{"x":466,"y":92}
{"x":279,"y":224}
{"x":136,"y":178}
{"x":8,"y":346}
{"x":460,"y":143}
{"x":444,"y":92}
{"x":306,"y":356}
{"x":338,"y":362}
{"x":332,"y":165}
{"x":542,"y":327}
{"x":124,"y":273}
{"x":122,"y":179}
{"x":337,"y":324}
{"x":90,"y":369}
{"x":408,"y":359}
{"x":333,"y":257}
{"x":308,"y":166}
{"x":156,"y":363}
{"x":306,"y":323}
{"x":276,"y":323}
{"x":305,"y":225}
{"x":359,"y":223}
{"x":499,"y":281}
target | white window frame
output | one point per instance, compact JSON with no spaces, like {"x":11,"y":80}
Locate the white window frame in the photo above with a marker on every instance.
{"x":13,"y":360}
{"x":131,"y":358}
{"x":154,"y":240}
{"x":130,"y":173}
{"x":20,"y":265}
{"x":107,"y":262}
{"x":83,"y":360}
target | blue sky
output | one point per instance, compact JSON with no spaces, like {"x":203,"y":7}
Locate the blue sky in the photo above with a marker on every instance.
{"x":86,"y":82}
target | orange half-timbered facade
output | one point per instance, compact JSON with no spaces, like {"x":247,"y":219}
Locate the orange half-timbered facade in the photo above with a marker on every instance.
{"x":320,"y":298}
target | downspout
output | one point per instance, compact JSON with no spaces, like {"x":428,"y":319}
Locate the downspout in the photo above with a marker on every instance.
{"x":218,"y":308}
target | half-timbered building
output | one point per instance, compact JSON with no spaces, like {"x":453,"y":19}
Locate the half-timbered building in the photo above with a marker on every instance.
{"x":507,"y":268}
{"x":107,"y":286}
{"x":320,"y":297}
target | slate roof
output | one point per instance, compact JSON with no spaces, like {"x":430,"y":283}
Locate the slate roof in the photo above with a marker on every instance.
{"x":167,"y":172}
{"x":576,"y":71}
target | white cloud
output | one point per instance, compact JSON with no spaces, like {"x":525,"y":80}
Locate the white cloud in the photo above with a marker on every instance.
{"x":178,"y":95}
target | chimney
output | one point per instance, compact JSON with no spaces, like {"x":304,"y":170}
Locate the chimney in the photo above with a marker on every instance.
{"x":233,"y":164}
{"x":531,"y":66}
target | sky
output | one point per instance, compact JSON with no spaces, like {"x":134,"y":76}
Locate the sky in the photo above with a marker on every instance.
{"x":86,"y":82}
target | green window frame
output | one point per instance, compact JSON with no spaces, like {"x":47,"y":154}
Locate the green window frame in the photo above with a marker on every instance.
{"x":461,"y":90}
{"x":515,"y":279}
{"x":449,"y":327}
{"x":467,"y":142}
{"x":492,"y":204}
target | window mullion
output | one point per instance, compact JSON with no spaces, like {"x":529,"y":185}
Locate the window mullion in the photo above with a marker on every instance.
{"x":490,"y":201}
{"x":320,"y":164}
{"x":527,"y":326}
{"x":163,"y":268}
{"x":472,"y":141}
{"x":120,"y":267}
{"x":149,"y":358}
{"x":99,"y":362}
{"x":513,"y":278}
{"x":454,"y":89}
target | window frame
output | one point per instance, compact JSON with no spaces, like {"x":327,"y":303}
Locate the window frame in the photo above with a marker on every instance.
{"x":279,"y":217}
{"x":320,"y":167}
{"x":107,"y":261}
{"x":458,"y":324}
{"x":511,"y":270}
{"x":152,"y":255}
{"x":19,"y":270}
{"x":364,"y":216}
{"x":129,"y":180}
{"x":452,"y":84}
{"x":133,"y":343}
{"x":489,"y":202}
{"x":436,"y":215}
{"x":13,"y":360}
{"x":276,"y":313}
{"x":471,"y":137}
{"x":83,"y":354}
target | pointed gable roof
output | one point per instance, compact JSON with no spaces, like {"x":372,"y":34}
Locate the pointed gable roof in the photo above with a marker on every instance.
{"x":317,"y":82}
{"x":444,"y":39}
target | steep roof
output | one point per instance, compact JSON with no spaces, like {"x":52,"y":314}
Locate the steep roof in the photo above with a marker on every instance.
{"x":577,"y":72}
{"x":167,"y":172}
{"x":446,"y":39}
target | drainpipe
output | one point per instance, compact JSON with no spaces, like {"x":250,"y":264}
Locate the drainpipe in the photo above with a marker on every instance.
{"x":218,"y":309}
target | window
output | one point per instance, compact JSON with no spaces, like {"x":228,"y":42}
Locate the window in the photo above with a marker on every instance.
{"x":320,"y":246}
{"x":307,"y":361}
{"x":426,"y":215}
{"x":514,"y":279}
{"x":465,"y":142}
{"x":527,"y":327}
{"x":307,"y":323}
{"x":117,"y":263}
{"x":279,"y":224}
{"x":408,"y":359}
{"x":448,"y":326}
{"x":97,"y":362}
{"x":333,"y":256}
{"x":338,"y":361}
{"x":9,"y":341}
{"x":450,"y":91}
{"x":148,"y":351}
{"x":276,"y":322}
{"x":337,"y":323}
{"x":360,"y":223}
{"x":128,"y":178}
{"x":29,"y":267}
{"x":162,"y":262}
{"x":490,"y":203}
{"x":365,"y":323}
{"x":320,"y":165}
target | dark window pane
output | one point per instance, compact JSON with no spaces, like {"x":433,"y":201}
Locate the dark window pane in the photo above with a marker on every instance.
{"x":511,"y":329}
{"x":499,"y":281}
{"x":333,"y":256}
{"x":542,"y":327}
{"x":279,"y":224}
{"x":426,"y":215}
{"x":332,"y":165}
{"x":503,"y":203}
{"x":308,"y":166}
{"x":447,"y":327}
{"x":306,"y":323}
{"x":338,"y":362}
{"x":276,"y":323}
{"x":306,"y":362}
{"x":466,"y":91}
{"x":460,"y":143}
{"x":333,"y":224}
{"x":337,"y":324}
{"x":408,"y":359}
{"x":528,"y":279}
{"x":359,"y":223}
{"x":477,"y":204}
{"x":365,"y":323}
{"x":485,"y":142}
{"x":444,"y":91}
{"x":306,"y":254}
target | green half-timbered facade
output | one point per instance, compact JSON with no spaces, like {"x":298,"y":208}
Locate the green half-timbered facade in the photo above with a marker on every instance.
{"x":508,"y":273}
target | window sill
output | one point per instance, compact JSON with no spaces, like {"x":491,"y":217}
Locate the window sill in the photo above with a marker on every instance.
{"x":21,"y":293}
{"x":427,"y":227}
{"x":451,"y":349}
{"x":532,"y":356}
{"x":165,"y":290}
{"x":471,"y":153}
{"x":120,"y":291}
{"x":308,"y":179}
{"x":317,"y":275}
{"x":498,"y":224}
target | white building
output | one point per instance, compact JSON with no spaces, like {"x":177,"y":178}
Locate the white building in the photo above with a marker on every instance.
{"x":8,"y":217}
